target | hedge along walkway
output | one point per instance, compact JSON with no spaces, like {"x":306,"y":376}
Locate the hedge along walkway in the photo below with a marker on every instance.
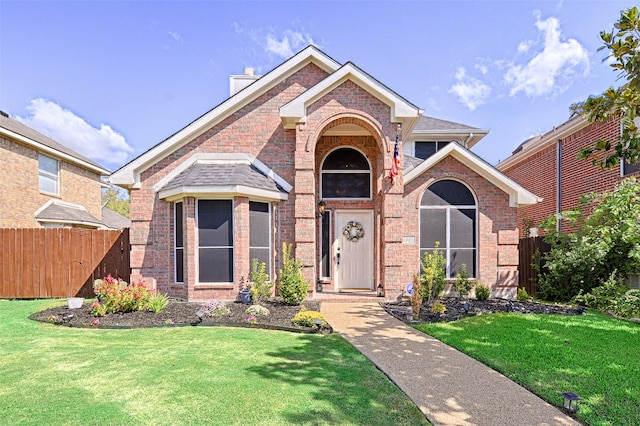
{"x":449,"y":387}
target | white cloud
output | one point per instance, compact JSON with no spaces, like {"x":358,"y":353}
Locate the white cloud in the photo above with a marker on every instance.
{"x":550,"y":71}
{"x":469,"y":90}
{"x":290,"y":43}
{"x":103,"y":144}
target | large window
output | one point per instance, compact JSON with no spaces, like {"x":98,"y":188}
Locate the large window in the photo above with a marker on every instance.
{"x":425,"y":150}
{"x":260,"y":233}
{"x":215,"y":241}
{"x":179,"y":244}
{"x":346,"y":174}
{"x":448,"y":217}
{"x":628,"y":168}
{"x":48,"y":174}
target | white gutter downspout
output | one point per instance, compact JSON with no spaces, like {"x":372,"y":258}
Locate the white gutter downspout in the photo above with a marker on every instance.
{"x":466,"y":143}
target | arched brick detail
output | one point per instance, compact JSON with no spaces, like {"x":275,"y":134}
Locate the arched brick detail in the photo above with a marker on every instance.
{"x":359,"y":118}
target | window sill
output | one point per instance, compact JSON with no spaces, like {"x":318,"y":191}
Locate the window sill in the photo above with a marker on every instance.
{"x":216,"y":286}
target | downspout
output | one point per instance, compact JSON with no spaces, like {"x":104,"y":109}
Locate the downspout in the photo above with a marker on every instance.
{"x":466,"y":143}
{"x":559,"y":184}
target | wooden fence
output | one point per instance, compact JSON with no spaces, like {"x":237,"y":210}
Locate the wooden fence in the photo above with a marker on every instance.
{"x":40,"y":263}
{"x":527,"y":248}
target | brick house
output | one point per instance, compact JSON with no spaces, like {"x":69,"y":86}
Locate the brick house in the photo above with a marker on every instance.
{"x":303,"y":155}
{"x":45,"y":184}
{"x":548,"y":165}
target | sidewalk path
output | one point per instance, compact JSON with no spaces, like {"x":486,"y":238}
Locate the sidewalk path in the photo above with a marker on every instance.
{"x":449,"y":387}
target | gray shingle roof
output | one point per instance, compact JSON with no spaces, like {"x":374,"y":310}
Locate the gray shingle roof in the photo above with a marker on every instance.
{"x":17,"y":127}
{"x":64,"y":213}
{"x":410,"y":162}
{"x":207,"y":174}
{"x":426,"y":124}
{"x":114,"y":220}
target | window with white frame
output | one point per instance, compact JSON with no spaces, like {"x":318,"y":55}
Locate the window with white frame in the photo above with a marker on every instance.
{"x":629,"y":168}
{"x":448,"y":216}
{"x":178,"y":243}
{"x":325,"y":245}
{"x":215,"y":241}
{"x":425,"y":149}
{"x":260,"y":233}
{"x":48,"y":169}
{"x":346,"y":174}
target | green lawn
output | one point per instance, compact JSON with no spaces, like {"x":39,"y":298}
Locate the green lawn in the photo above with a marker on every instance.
{"x":186,"y":375}
{"x":595,"y":356}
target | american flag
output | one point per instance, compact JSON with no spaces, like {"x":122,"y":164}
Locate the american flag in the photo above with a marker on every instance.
{"x":395,"y":168}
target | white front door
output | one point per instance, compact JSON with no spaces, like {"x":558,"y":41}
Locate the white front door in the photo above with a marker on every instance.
{"x":353,"y":249}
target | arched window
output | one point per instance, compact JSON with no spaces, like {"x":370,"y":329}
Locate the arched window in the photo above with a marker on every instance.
{"x":346,"y":174}
{"x":448,"y":215}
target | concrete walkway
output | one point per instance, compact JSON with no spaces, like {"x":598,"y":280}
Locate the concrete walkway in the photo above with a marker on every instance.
{"x":449,"y":387}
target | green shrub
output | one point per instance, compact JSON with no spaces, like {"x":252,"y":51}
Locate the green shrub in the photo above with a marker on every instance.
{"x":215,"y":308}
{"x":157,"y":303}
{"x":522,"y":295}
{"x":438,"y":308}
{"x":602,"y":298}
{"x":306,"y":318}
{"x":260,"y":287}
{"x":434,"y":274}
{"x":628,"y":304}
{"x":462,"y":284}
{"x":258,"y":310}
{"x":292,"y":286}
{"x":482,"y":292}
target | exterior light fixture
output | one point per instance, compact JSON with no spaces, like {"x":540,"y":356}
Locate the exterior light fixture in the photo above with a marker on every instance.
{"x":321,"y":208}
{"x":571,"y":402}
{"x":200,"y":313}
{"x":380,"y":290}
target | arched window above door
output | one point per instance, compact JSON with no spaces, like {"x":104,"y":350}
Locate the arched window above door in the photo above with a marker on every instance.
{"x":346,"y":173}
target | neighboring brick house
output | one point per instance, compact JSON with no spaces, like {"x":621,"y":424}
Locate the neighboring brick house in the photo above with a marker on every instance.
{"x":548,"y":165}
{"x":45,"y":184}
{"x":303,"y":155}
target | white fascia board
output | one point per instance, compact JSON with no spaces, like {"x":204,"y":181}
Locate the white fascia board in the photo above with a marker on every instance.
{"x":175,"y":194}
{"x":73,"y":222}
{"x":129,"y":175}
{"x":518,"y":195}
{"x":567,"y":128}
{"x":296,"y":110}
{"x":59,"y":154}
{"x":62,"y":204}
{"x":222,"y":158}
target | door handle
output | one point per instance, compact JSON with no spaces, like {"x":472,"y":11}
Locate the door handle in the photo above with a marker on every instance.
{"x":338,"y":259}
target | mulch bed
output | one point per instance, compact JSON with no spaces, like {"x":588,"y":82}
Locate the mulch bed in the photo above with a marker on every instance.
{"x":178,"y":314}
{"x":456,"y":309}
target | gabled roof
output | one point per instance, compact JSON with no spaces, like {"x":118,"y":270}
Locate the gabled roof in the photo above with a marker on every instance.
{"x":518,"y":195}
{"x":296,"y":110}
{"x":129,"y":174}
{"x":430,"y":127}
{"x":114,"y":220}
{"x":218,"y":175}
{"x":13,"y":129}
{"x":57,"y":211}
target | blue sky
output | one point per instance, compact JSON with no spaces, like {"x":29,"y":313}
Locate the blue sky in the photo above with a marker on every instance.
{"x":112,"y":79}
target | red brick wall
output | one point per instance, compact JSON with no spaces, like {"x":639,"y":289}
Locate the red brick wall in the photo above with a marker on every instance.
{"x":20,"y":195}
{"x":538,"y":173}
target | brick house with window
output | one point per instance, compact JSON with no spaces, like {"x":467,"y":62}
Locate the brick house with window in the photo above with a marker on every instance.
{"x":548,"y":165}
{"x":45,"y":184}
{"x":303,"y":155}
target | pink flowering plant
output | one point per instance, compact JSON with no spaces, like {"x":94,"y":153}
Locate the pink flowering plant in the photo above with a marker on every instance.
{"x":118,"y":296}
{"x":215,"y":308}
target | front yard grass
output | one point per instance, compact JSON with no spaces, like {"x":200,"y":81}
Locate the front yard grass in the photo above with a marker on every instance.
{"x":594,"y":356}
{"x":186,"y":375}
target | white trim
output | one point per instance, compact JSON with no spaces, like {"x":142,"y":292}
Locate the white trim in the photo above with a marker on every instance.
{"x":296,"y":111}
{"x":129,"y":175}
{"x":61,"y":204}
{"x":44,"y":173}
{"x":518,"y":195}
{"x":52,"y":151}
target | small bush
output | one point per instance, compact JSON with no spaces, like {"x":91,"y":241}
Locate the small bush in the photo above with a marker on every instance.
{"x":628,"y":305}
{"x":157,"y":303}
{"x":215,"y":308}
{"x":261,"y":287}
{"x":433,"y":276}
{"x":522,"y":295}
{"x":602,"y":298}
{"x":257,"y":310}
{"x":482,"y":292}
{"x":306,"y":318}
{"x":438,"y":308}
{"x":292,"y":286}
{"x":118,"y":296}
{"x":462,"y":284}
